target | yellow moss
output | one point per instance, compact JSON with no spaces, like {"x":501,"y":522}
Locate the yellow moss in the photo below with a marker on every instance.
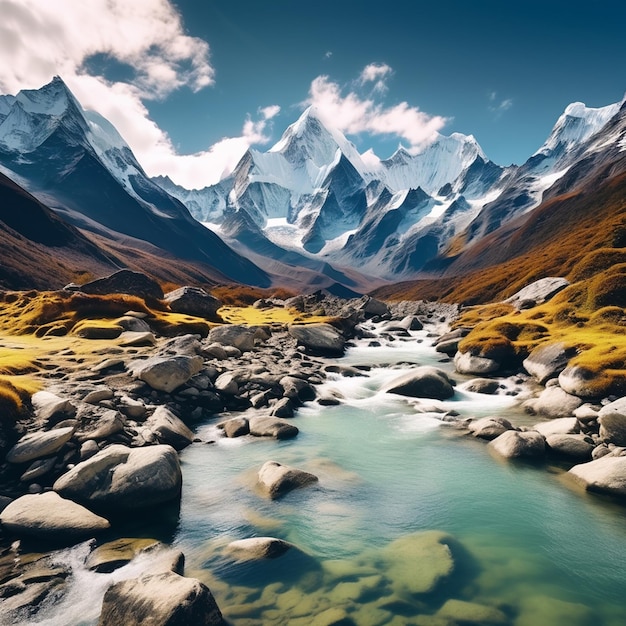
{"x":275,"y":315}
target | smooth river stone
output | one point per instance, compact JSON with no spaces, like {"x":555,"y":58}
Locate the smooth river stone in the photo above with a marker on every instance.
{"x":276,"y":480}
{"x":39,"y":444}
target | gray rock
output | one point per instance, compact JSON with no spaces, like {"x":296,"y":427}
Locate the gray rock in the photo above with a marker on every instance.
{"x":226,"y":383}
{"x":321,"y":339}
{"x":50,"y":516}
{"x":135,"y":409}
{"x":267,"y":426}
{"x":514,"y":444}
{"x":371,"y":307}
{"x":612,"y":420}
{"x":275,"y":480}
{"x":129,"y":339}
{"x":466,"y":363}
{"x":39,"y":444}
{"x":98,"y":395}
{"x":122,"y":478}
{"x":422,"y":382}
{"x":296,"y":389}
{"x":579,"y":447}
{"x":167,"y":373}
{"x":449,"y":347}
{"x":194,"y":301}
{"x":215,"y":351}
{"x":169,"y":428}
{"x":606,"y":474}
{"x":164,"y":599}
{"x":109,"y":423}
{"x":487,"y":386}
{"x":133,"y":324}
{"x":235,"y":427}
{"x":553,"y":402}
{"x":583,"y":383}
{"x":283,"y":408}
{"x":540,"y":291}
{"x":256,"y":548}
{"x":559,"y":426}
{"x":88,"y":449}
{"x":490,"y":427}
{"x":237,"y":336}
{"x":47,"y":405}
{"x":548,"y":361}
{"x":125,"y":281}
{"x":38,"y":468}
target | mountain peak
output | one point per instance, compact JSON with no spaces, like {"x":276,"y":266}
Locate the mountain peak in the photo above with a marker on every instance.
{"x":51,"y":99}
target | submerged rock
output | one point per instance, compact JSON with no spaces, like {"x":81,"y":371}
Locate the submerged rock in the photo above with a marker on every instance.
{"x":112,"y":555}
{"x":268,"y":426}
{"x":276,"y":480}
{"x":255,"y":548}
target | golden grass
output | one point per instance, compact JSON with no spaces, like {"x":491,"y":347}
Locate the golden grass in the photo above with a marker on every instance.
{"x":251,"y":316}
{"x":242,"y":295}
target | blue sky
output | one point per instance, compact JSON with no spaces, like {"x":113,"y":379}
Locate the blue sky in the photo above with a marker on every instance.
{"x":191,"y":84}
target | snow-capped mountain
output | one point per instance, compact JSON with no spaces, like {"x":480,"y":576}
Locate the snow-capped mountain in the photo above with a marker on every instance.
{"x":314,"y":194}
{"x":77,"y":163}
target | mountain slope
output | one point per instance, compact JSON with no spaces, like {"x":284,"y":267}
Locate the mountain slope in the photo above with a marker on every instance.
{"x":78,"y":164}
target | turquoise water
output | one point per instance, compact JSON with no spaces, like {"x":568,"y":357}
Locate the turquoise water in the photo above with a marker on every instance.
{"x":401,"y":496}
{"x":525,"y":543}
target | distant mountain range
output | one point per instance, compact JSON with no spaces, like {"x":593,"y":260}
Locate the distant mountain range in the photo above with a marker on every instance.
{"x":310,"y":213}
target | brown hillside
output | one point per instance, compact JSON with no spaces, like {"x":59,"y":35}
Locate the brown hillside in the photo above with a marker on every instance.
{"x":574,"y":235}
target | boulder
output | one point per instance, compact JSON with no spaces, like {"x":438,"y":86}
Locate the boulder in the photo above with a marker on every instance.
{"x":226,"y":383}
{"x":490,"y":427}
{"x":422,"y":382}
{"x":114,"y":554}
{"x":579,"y":447}
{"x":283,"y":408}
{"x":124,"y":281}
{"x":256,"y":548}
{"x":49,"y":516}
{"x":514,"y":444}
{"x":370,"y":307}
{"x":164,"y":599}
{"x":268,"y":426}
{"x":48,"y":405}
{"x":276,"y":480}
{"x":235,"y":427}
{"x":612,"y":420}
{"x":418,"y":563}
{"x":39,"y":444}
{"x":237,"y":336}
{"x":167,"y":373}
{"x":297,"y":389}
{"x":319,"y":339}
{"x":122,"y":478}
{"x":606,"y":474}
{"x":194,"y":301}
{"x":548,"y":361}
{"x":540,"y":291}
{"x":487,"y":386}
{"x":553,"y":402}
{"x":588,"y":384}
{"x":104,"y":426}
{"x":466,"y":363}
{"x":559,"y":426}
{"x":133,"y":324}
{"x":169,"y":428}
{"x":131,"y":339}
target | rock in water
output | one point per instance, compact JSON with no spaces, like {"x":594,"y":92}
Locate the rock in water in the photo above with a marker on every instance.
{"x":607,"y":474}
{"x":50,"y":516}
{"x":169,"y":429}
{"x":422,"y":382}
{"x":320,"y":339}
{"x":119,"y":478}
{"x":514,"y":444}
{"x":276,"y":480}
{"x":490,"y":427}
{"x":165,"y":599}
{"x":612,"y":419}
{"x":255,"y":548}
{"x":268,"y":426}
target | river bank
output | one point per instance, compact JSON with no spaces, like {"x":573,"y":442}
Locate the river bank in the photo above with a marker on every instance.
{"x":256,"y":380}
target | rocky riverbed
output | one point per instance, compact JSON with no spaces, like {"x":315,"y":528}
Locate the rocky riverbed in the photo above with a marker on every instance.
{"x":102,"y":443}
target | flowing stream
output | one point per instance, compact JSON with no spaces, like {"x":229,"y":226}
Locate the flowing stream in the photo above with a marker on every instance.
{"x":527,"y":548}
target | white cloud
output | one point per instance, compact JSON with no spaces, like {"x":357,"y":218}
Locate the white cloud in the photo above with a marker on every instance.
{"x":498,"y":106}
{"x":147,"y":37}
{"x":354,"y":114}
{"x":328,"y":54}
